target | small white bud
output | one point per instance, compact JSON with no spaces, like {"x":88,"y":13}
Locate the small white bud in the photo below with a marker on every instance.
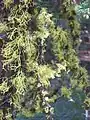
{"x":39,"y":85}
{"x":46,"y":98}
{"x":71,"y":100}
{"x":86,"y":31}
{"x":52,"y":110}
{"x":44,"y":92}
{"x":43,"y":103}
{"x":87,"y":16}
{"x":80,"y":40}
{"x":47,"y":109}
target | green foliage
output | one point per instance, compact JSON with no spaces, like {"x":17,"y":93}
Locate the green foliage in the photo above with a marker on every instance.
{"x":3,"y":87}
{"x":68,"y":12}
{"x":65,"y":92}
{"x":70,"y":109}
{"x":83,"y":11}
{"x":7,"y":3}
{"x":3,"y":27}
{"x":29,"y":81}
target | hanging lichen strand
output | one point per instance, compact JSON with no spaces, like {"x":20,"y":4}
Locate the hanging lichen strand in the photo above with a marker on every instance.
{"x":68,"y":12}
{"x":36,"y":52}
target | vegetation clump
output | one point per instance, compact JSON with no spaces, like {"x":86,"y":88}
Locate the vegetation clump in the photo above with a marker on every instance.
{"x":36,"y":52}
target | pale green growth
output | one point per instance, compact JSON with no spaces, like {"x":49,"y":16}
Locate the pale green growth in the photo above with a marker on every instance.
{"x":66,"y":92}
{"x":7,"y":3}
{"x":23,"y":55}
{"x":4,"y":87}
{"x":3,"y":27}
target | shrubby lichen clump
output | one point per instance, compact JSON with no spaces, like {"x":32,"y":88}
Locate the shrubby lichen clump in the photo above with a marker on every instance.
{"x":32,"y":36}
